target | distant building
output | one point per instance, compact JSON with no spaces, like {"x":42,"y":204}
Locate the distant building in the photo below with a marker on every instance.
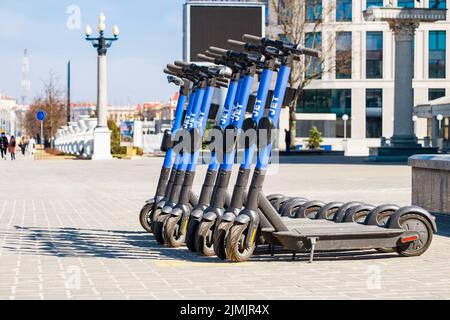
{"x":11,"y":115}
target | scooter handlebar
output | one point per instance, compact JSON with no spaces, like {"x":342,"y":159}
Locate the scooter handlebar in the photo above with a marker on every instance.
{"x":167,"y":71}
{"x":182,"y":64}
{"x":238,"y":45}
{"x":218,"y":50}
{"x":174,"y":68}
{"x":309,"y":52}
{"x":252,"y":39}
{"x":205,"y":58}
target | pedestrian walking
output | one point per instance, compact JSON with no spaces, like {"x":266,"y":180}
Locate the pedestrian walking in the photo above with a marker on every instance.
{"x":3,"y":145}
{"x":12,"y":147}
{"x":23,"y":145}
{"x":31,"y":146}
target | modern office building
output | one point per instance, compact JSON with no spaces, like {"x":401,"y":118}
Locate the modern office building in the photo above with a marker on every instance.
{"x":362,"y":86}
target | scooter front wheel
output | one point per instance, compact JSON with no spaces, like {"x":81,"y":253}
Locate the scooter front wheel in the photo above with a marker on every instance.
{"x":145,"y":216}
{"x":236,"y":248}
{"x":204,"y":239}
{"x":173,"y":232}
{"x":190,"y":234}
{"x":220,"y":236}
{"x":158,"y":230}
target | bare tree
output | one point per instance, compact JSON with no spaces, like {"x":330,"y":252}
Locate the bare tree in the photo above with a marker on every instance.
{"x":301,"y":21}
{"x":52,"y":101}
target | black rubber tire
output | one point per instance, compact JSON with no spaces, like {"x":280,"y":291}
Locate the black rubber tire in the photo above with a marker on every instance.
{"x":340,"y":214}
{"x":154,"y":217}
{"x":190,"y":234}
{"x":234,"y":248}
{"x":328,"y":211}
{"x":158,"y":231}
{"x":204,"y":239}
{"x":219,"y":242}
{"x":278,"y":203}
{"x":145,"y":217}
{"x":309,"y":210}
{"x":171,"y":232}
{"x":420,"y":246}
{"x":274,"y":197}
{"x":358,"y":214}
{"x":289,"y":207}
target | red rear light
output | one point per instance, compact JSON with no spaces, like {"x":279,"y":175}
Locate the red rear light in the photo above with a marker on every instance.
{"x":410,"y":239}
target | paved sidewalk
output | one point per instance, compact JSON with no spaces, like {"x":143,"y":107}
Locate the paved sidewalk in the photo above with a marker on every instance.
{"x":70,"y":230}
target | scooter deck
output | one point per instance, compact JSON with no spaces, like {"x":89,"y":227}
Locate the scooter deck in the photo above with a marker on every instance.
{"x":333,"y":236}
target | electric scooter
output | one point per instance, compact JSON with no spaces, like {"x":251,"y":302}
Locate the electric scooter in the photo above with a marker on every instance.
{"x":186,"y":171}
{"x":409,"y":230}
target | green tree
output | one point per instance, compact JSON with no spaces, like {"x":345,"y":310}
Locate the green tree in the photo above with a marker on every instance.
{"x":315,"y":139}
{"x":115,"y":138}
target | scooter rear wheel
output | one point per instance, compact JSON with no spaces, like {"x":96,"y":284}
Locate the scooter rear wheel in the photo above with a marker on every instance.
{"x":172,"y":232}
{"x":415,"y":222}
{"x":145,"y":216}
{"x":235,"y":244}
{"x":204,"y":239}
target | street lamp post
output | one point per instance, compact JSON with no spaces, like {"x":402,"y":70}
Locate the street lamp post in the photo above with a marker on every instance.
{"x":102,"y":135}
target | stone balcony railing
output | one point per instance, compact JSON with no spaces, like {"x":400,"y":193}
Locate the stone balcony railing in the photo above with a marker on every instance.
{"x":77,"y":138}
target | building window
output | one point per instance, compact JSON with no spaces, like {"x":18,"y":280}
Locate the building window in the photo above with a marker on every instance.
{"x":313,"y":66}
{"x":343,"y":55}
{"x":330,"y":101}
{"x":434,"y":94}
{"x":374,"y":3}
{"x":405,"y":3}
{"x":374,"y":55}
{"x":344,"y":10}
{"x":437,"y":4}
{"x":374,"y":113}
{"x":437,"y":47}
{"x":313,"y":10}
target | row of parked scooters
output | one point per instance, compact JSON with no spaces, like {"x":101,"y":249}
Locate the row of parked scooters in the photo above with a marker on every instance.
{"x":231,"y":226}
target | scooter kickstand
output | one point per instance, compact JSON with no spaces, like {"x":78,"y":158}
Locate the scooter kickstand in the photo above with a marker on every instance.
{"x":313,"y":242}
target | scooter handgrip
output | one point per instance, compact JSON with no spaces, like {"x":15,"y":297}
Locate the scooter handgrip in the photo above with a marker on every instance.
{"x":310,"y":52}
{"x":252,"y":39}
{"x":238,"y":45}
{"x":218,"y":50}
{"x":182,"y":64}
{"x":174,"y":68}
{"x":205,"y":58}
{"x":167,"y":71}
{"x":213,"y":55}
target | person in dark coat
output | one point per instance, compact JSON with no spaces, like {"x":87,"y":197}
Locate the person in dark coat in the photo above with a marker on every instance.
{"x":4,"y":145}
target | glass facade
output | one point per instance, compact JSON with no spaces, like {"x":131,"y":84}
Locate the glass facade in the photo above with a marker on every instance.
{"x":406,"y":3}
{"x":343,"y":55}
{"x":313,"y":65}
{"x":374,"y":113}
{"x":343,"y":10}
{"x":313,"y":10}
{"x":437,"y":4}
{"x":434,"y":94}
{"x":437,"y":47}
{"x":374,"y":3}
{"x":374,"y":54}
{"x":331,"y":101}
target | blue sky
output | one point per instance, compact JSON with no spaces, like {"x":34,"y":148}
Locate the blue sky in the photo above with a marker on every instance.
{"x":151,"y":37}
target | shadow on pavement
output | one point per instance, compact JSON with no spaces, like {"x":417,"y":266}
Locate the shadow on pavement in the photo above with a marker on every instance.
{"x":339,"y":160}
{"x":114,"y":244}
